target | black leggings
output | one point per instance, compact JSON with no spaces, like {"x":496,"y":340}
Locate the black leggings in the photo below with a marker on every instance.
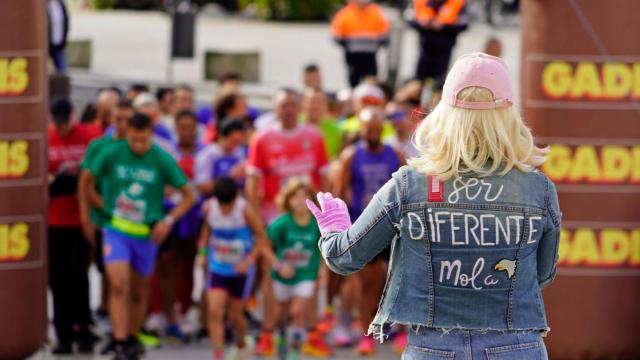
{"x":435,"y":54}
{"x":360,"y":65}
{"x":69,"y":256}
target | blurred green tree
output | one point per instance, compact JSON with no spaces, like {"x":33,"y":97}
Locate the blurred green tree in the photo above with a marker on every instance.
{"x":102,"y":4}
{"x":292,"y":10}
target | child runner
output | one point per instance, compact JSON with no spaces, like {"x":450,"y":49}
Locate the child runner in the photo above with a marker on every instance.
{"x":232,"y":237}
{"x":137,"y":172}
{"x":294,"y":237}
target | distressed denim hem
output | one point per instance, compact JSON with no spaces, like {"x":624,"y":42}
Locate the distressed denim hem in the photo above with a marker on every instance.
{"x":380,"y":331}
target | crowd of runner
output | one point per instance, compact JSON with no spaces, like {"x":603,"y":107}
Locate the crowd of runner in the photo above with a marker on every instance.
{"x":150,"y":188}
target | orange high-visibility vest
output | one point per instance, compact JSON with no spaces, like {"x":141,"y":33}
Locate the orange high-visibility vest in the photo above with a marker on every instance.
{"x":447,"y":14}
{"x":361,"y":28}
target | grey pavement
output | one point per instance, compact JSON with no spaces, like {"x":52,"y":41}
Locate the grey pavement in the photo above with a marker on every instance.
{"x":202,"y":350}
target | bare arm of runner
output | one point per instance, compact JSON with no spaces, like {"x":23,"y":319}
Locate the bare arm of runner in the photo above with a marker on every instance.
{"x":263,"y":244}
{"x":252,"y":190}
{"x":94,"y":198}
{"x":84,"y":206}
{"x":162,"y":228}
{"x":343,"y":177}
{"x":201,"y":257}
{"x":206,"y":187}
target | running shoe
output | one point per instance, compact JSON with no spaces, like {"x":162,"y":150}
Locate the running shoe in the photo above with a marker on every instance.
{"x":282,"y":345}
{"x":174,"y":331}
{"x":249,"y":344}
{"x":366,"y":346}
{"x":316,"y":346}
{"x":134,"y":350}
{"x":156,"y":322}
{"x":135,"y":347}
{"x":293,"y":348}
{"x":236,"y":353}
{"x":218,"y":354}
{"x":400,"y":342}
{"x":341,"y":336}
{"x":103,"y":323}
{"x":265,"y":345}
{"x":120,"y":352}
{"x":293,"y":355}
{"x":148,"y":339}
{"x":326,"y":324}
{"x":85,"y":339}
{"x":108,"y":348}
{"x":202,"y":333}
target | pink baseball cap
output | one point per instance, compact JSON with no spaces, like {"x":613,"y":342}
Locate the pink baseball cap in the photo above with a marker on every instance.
{"x":479,"y":69}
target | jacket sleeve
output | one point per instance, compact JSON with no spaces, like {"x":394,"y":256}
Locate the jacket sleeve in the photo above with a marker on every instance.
{"x":547,"y":255}
{"x":337,"y":28}
{"x":349,"y":251}
{"x":385,"y":30}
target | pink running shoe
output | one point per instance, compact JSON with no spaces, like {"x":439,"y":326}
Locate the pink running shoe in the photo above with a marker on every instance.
{"x":341,"y":336}
{"x":400,"y":342}
{"x":366,"y":346}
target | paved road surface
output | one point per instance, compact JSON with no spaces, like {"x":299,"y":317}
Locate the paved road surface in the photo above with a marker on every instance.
{"x":202,"y":350}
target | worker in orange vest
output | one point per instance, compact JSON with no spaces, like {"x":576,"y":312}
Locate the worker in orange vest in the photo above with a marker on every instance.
{"x":360,"y":28}
{"x":438,"y":23}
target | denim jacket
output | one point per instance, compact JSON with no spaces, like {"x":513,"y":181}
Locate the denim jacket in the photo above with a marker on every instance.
{"x":468,"y":253}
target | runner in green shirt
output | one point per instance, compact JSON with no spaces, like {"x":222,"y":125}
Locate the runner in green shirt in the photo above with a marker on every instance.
{"x":297,"y":245}
{"x":136,"y":172}
{"x":134,"y":201}
{"x":315,"y":110}
{"x":92,"y":218}
{"x":294,"y":237}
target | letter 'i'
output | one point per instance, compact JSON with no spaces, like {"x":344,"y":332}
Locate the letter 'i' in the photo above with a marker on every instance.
{"x":435,"y":189}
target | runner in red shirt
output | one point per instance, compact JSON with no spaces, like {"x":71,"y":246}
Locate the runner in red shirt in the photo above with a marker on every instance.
{"x":69,"y":252}
{"x":289,"y":150}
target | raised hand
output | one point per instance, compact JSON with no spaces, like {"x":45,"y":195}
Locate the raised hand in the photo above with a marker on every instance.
{"x":333,"y":214}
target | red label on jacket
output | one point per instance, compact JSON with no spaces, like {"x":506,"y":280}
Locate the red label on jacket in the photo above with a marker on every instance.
{"x":435,"y":189}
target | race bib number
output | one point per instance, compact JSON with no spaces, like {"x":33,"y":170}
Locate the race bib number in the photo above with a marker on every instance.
{"x":297,"y":256}
{"x":227,"y":251}
{"x":128,"y":207}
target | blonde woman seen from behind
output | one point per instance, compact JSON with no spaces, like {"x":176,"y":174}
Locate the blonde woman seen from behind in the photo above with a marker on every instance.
{"x":473,"y":227}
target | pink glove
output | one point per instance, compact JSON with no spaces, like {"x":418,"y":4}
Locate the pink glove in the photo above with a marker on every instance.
{"x":334,"y":215}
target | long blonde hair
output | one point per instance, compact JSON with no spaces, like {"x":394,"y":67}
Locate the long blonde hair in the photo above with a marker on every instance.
{"x":454,"y":141}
